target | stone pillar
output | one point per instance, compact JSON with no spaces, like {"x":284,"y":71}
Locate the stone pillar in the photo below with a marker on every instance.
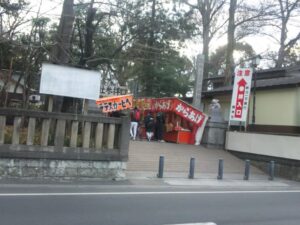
{"x":215,"y":129}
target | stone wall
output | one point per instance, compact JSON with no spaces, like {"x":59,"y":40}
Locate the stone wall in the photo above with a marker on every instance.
{"x":62,"y":145}
{"x":214,"y":135}
{"x":62,"y":169}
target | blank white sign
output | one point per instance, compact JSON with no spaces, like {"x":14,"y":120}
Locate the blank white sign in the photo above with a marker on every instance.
{"x":70,"y":82}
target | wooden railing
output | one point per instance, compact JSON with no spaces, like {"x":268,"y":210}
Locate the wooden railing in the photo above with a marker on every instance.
{"x":47,"y":135}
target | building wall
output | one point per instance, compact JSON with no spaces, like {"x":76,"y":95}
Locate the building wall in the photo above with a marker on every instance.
{"x":279,"y":107}
{"x":12,"y":87}
{"x":298,"y":106}
{"x":264,"y":144}
{"x":276,"y":107}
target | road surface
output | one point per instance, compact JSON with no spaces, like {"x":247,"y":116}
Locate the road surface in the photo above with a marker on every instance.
{"x":140,"y":206}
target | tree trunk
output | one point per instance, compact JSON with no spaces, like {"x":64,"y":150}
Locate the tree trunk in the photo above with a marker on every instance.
{"x":230,"y":43}
{"x":89,"y":33}
{"x":60,"y":53}
{"x":148,"y":66}
{"x":205,"y":49}
{"x":206,"y":27}
{"x":281,"y":51}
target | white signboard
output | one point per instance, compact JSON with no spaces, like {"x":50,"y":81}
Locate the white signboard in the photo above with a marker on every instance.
{"x":240,"y":94}
{"x":70,"y":82}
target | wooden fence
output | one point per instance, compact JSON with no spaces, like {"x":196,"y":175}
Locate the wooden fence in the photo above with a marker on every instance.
{"x":46,"y":135}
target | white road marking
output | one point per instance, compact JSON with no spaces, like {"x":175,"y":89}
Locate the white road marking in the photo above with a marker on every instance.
{"x":141,"y":193}
{"x":208,"y":223}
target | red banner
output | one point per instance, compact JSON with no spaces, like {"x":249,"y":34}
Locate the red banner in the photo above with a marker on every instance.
{"x":142,"y":103}
{"x":188,"y":112}
{"x":241,"y":94}
{"x":240,"y":98}
{"x":162,"y":104}
{"x":181,"y":108}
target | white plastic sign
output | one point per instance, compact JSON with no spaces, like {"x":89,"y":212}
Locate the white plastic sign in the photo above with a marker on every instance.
{"x":70,"y":82}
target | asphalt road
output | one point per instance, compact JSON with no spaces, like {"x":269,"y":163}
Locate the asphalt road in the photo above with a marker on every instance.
{"x":140,"y":207}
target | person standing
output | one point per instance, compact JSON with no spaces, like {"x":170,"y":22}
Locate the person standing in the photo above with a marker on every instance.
{"x":159,"y":126}
{"x":135,"y":118}
{"x":149,"y":126}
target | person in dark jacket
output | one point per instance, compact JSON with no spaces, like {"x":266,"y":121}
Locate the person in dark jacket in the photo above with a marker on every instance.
{"x":159,"y":126}
{"x":149,"y":126}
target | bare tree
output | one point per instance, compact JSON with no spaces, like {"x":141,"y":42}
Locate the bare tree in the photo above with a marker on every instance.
{"x":244,"y":20}
{"x":209,"y":13}
{"x":12,"y":16}
{"x":287,"y":9}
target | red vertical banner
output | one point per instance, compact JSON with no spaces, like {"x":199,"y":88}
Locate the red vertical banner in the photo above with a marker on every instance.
{"x":240,"y":99}
{"x":241,"y":94}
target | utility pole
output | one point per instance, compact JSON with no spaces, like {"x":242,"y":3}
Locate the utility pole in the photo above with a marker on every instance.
{"x":198,"y":81}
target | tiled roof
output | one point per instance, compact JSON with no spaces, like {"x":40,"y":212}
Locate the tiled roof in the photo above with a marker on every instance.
{"x":263,"y":84}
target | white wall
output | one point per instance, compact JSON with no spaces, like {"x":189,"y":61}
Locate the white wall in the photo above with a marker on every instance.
{"x":11,"y":87}
{"x":264,"y":144}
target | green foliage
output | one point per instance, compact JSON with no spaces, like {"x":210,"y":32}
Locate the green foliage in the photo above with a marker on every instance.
{"x":125,"y":40}
{"x":217,"y":59}
{"x":154,"y":63}
{"x":12,"y":7}
{"x":134,"y":41}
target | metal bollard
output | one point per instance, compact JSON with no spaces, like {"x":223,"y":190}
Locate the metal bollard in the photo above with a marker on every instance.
{"x":161,"y":167}
{"x":271,"y":170}
{"x":220,"y":170}
{"x":247,"y":169}
{"x":192,"y":168}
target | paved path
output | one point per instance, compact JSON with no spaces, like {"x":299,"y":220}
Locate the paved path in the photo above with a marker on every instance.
{"x":143,"y":161}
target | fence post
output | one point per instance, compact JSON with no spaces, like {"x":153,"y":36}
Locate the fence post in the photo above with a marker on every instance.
{"x":31,"y":131}
{"x":2,"y":128}
{"x":192,"y":168}
{"x":124,"y":137}
{"x":161,"y":167}
{"x":220,"y":169}
{"x":271,"y":170}
{"x":247,"y":169}
{"x":74,"y":134}
{"x":16,"y":131}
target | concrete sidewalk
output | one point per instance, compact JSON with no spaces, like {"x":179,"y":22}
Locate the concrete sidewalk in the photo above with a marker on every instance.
{"x":142,"y":167}
{"x":144,"y":158}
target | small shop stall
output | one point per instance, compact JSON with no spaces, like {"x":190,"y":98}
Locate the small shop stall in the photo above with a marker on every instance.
{"x":184,"y":124}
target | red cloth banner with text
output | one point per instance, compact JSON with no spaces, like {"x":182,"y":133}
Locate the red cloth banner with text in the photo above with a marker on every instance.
{"x":181,"y":108}
{"x":162,"y":104}
{"x":241,"y":94}
{"x":142,"y":103}
{"x":188,"y":112}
